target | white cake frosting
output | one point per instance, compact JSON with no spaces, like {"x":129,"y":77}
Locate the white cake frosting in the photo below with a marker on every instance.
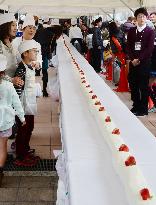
{"x":131,"y":176}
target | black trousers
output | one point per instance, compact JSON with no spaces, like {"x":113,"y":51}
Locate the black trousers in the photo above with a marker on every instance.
{"x":23,"y":136}
{"x":79,"y":47}
{"x":45,"y":79}
{"x":138,"y":78}
{"x":96,"y":59}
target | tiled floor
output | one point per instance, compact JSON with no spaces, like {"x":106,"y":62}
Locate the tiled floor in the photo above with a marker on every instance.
{"x":46,"y":135}
{"x":28,"y":190}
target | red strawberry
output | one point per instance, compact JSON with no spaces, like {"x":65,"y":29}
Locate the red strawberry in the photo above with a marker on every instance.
{"x":123,"y":148}
{"x":130,"y":161}
{"x":108,"y":119}
{"x":83,"y":81}
{"x":91,"y":91}
{"x":116,"y":131}
{"x":145,"y":194}
{"x":94,"y":96}
{"x":88,"y":86}
{"x":97,"y":103}
{"x":101,"y":109}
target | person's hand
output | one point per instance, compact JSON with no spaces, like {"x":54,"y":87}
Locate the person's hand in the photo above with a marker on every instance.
{"x":35,"y":65}
{"x":135,"y":62}
{"x":17,"y":81}
{"x":24,"y":123}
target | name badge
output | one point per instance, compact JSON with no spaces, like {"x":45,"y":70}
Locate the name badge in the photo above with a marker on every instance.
{"x":137,"y":46}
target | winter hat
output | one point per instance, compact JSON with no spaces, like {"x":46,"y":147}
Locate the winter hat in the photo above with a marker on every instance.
{"x":3,"y":62}
{"x":6,"y":18}
{"x":28,"y":21}
{"x":27,"y":45}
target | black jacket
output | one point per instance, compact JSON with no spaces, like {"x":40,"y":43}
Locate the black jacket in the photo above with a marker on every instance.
{"x":44,"y":36}
{"x":153,"y":59}
{"x":97,"y":39}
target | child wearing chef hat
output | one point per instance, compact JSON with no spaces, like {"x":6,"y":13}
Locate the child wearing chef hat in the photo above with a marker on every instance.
{"x":24,"y":155}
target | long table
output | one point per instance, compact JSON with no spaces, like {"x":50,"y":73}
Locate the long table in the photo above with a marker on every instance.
{"x":89,"y":176}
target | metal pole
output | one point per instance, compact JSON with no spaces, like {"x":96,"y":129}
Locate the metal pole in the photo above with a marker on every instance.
{"x":127,"y":5}
{"x":113,"y":14}
{"x":141,"y":3}
{"x":106,"y":13}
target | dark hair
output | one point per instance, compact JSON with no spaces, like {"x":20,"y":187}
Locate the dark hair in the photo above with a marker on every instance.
{"x":153,"y":13}
{"x":97,"y":21}
{"x":22,"y":56}
{"x":100,"y":18}
{"x":5,"y":31}
{"x":105,"y":24}
{"x":130,"y":18}
{"x":58,"y":30}
{"x":2,"y":73}
{"x":84,"y":24}
{"x":141,"y":11}
{"x":113,"y":29}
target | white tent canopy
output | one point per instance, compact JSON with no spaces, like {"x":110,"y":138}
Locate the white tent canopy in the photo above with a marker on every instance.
{"x":68,"y":8}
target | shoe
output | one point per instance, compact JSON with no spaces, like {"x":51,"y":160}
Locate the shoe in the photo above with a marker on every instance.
{"x":102,"y":73}
{"x":116,"y":84}
{"x":153,"y":109}
{"x":26,"y":162}
{"x":45,"y":94}
{"x":32,"y":157}
{"x":141,"y":114}
{"x":1,"y":178}
{"x":134,"y":110}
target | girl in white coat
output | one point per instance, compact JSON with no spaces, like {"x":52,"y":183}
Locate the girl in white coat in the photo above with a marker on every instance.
{"x":9,"y":102}
{"x":8,"y":30}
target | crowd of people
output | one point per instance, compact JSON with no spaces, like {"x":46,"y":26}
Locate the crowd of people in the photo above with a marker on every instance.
{"x":21,"y":58}
{"x":130,"y":45}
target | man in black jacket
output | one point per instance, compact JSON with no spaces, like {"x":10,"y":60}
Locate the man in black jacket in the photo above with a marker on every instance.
{"x":97,"y":45}
{"x":140,"y":44}
{"x":45,"y":36}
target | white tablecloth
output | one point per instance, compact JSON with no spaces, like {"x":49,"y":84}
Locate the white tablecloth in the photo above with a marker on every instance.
{"x":90,"y":176}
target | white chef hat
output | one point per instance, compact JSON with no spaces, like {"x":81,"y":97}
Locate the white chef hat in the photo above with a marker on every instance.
{"x":73,"y":21}
{"x":3,"y":62}
{"x":46,"y":19}
{"x":27,"y":45}
{"x":28,"y":21}
{"x":40,"y":21}
{"x":55,"y":22}
{"x":6,"y":18}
